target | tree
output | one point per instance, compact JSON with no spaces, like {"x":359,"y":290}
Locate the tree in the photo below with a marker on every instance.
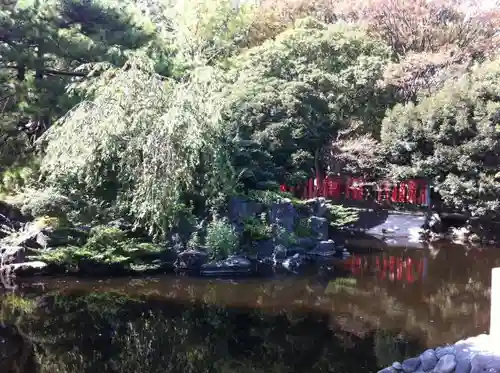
{"x":141,"y":145}
{"x":289,"y":97}
{"x":42,"y":45}
{"x":451,"y":137}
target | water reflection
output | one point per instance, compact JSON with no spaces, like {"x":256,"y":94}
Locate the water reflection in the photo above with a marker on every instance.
{"x":374,"y":309}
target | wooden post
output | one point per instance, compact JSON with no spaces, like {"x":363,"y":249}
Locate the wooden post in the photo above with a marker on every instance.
{"x":495,"y":304}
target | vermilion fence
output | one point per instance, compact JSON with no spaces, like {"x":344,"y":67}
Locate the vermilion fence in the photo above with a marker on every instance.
{"x":413,"y":191}
{"x":394,"y":268}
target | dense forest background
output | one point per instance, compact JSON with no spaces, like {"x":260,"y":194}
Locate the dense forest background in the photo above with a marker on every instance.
{"x":157,"y":109}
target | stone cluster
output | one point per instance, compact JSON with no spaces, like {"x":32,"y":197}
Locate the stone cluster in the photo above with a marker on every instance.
{"x":473,"y":355}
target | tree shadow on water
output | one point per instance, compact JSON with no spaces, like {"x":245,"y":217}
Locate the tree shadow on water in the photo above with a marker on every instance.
{"x":108,"y":333}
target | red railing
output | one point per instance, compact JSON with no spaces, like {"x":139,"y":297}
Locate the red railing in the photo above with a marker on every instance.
{"x":393,"y":268}
{"x":413,"y":191}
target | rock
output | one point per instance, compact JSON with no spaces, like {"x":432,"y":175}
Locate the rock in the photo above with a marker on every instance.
{"x":36,"y":235}
{"x":233,"y":265}
{"x":307,"y":243}
{"x":428,"y":360}
{"x":12,"y":255}
{"x":296,"y":263}
{"x":25,"y":269}
{"x":263,"y":249}
{"x":241,"y":209}
{"x":435,"y":223}
{"x":11,"y":216}
{"x":463,"y":366}
{"x":324,"y":249}
{"x":319,"y":227}
{"x":318,"y":206}
{"x":411,"y":365}
{"x":463,"y":356}
{"x":441,"y":351}
{"x":283,"y":214}
{"x":191,"y":260}
{"x":397,"y":366}
{"x":485,"y":363}
{"x":291,"y":251}
{"x":446,"y":364}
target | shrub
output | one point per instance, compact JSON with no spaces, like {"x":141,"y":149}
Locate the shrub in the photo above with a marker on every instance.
{"x":221,"y":240}
{"x":340,"y":216}
{"x":257,"y":229}
{"x":45,"y":202}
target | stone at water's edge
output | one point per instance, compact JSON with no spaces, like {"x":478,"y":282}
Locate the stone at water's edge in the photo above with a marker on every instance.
{"x":473,"y":355}
{"x":23,"y":269}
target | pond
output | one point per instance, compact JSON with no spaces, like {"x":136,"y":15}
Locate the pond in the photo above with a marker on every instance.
{"x":365,"y":313}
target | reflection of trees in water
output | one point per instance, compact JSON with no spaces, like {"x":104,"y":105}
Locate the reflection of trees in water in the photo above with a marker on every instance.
{"x":17,"y":353}
{"x":390,"y":347}
{"x":200,"y":328}
{"x":83,"y":334}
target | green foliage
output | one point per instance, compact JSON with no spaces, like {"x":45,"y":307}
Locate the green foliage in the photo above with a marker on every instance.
{"x":290,"y":96}
{"x":14,"y":179}
{"x":142,"y":145}
{"x":282,"y":237}
{"x":105,"y":245}
{"x":205,"y":32}
{"x":303,"y":228}
{"x":257,"y":229}
{"x":340,"y":216}
{"x":267,"y":197}
{"x":221,"y":239}
{"x":40,"y":203}
{"x":451,"y":138}
{"x":44,"y":44}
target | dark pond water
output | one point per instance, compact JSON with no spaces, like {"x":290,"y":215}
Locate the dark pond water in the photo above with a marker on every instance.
{"x":378,"y":307}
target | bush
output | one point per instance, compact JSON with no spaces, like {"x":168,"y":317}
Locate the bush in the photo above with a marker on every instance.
{"x":340,"y":216}
{"x":221,"y":240}
{"x":46,"y":202}
{"x":106,"y":245}
{"x":257,"y":229}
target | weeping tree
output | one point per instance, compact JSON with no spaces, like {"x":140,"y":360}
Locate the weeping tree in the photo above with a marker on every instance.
{"x":141,"y":144}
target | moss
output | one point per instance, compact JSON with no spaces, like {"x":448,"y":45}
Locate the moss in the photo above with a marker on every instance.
{"x":340,"y":216}
{"x":268,"y":197}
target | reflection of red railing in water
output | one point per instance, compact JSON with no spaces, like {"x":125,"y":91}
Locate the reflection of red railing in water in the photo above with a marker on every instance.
{"x":394,"y":268}
{"x":413,"y":191}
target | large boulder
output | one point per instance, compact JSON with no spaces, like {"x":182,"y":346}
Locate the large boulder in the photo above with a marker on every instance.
{"x":12,"y":255}
{"x":297,"y":263}
{"x":319,"y":227}
{"x":11,"y":218}
{"x":26,"y":269}
{"x":240,"y":209}
{"x":283,"y":214}
{"x":234,"y":265}
{"x":191,"y":260}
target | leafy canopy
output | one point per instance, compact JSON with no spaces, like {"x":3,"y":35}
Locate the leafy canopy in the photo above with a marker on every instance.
{"x":288,"y":97}
{"x":452,"y":138}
